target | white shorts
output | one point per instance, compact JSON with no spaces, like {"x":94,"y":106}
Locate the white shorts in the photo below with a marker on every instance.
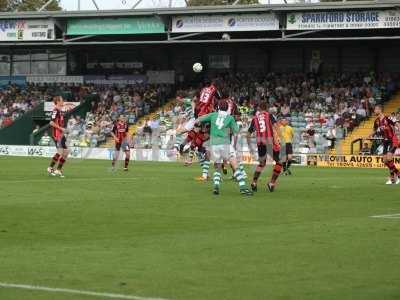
{"x":207,"y":145}
{"x":219,"y":153}
{"x":189,"y":125}
{"x":232,"y":152}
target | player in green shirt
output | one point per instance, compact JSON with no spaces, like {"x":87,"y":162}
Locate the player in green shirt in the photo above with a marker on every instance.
{"x":222,"y":126}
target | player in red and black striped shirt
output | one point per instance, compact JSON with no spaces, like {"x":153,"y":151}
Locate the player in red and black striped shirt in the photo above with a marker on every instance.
{"x":385,"y":128}
{"x":263,"y":124}
{"x":206,"y":102}
{"x":120,"y":135}
{"x":58,"y":130}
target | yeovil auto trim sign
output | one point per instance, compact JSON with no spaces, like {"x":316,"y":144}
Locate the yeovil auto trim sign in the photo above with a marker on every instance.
{"x":337,"y":20}
{"x":26,"y":30}
{"x":350,"y":161}
{"x":217,"y":23}
{"x":142,"y":25}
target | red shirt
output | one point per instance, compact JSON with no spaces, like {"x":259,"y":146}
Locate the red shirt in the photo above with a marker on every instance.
{"x":385,"y":128}
{"x":262,"y":124}
{"x":120,"y":130}
{"x":58,"y":118}
{"x":196,"y":139}
{"x":206,"y":100}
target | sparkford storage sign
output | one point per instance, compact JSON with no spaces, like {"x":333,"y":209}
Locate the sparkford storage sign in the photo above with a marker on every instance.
{"x":374,"y":19}
{"x":350,"y":161}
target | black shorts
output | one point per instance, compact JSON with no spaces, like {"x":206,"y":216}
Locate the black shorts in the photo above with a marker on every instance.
{"x":388,"y":147}
{"x":61,"y":143}
{"x":124,"y":145}
{"x":263,"y":151}
{"x":289,"y":148}
{"x":201,"y":149}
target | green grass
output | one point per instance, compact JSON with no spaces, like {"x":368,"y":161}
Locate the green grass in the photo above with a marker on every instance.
{"x":155,"y":232}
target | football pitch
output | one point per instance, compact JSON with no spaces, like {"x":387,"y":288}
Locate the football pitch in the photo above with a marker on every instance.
{"x":154,"y":232}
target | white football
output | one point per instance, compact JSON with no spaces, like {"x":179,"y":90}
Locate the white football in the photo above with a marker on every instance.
{"x":197,"y":67}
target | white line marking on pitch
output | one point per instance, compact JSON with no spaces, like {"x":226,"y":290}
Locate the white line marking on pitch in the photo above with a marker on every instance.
{"x":76,"y":292}
{"x":392,"y":216}
{"x":72,"y":179}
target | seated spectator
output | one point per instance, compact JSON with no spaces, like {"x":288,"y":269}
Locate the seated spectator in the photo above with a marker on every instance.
{"x":331,"y":137}
{"x":365,"y":150}
{"x":46,"y":140}
{"x":7,"y":121}
{"x":361,"y":112}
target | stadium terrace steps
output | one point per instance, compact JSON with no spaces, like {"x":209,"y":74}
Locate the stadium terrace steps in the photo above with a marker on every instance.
{"x":133,"y":128}
{"x":365,"y":128}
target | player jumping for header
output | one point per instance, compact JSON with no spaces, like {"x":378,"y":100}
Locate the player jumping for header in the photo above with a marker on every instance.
{"x":267,"y":144}
{"x":222,"y":125}
{"x":207,"y":98}
{"x":385,"y":128}
{"x":58,"y":134}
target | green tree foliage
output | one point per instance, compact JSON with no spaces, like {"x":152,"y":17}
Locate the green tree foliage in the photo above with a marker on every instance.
{"x":27,"y":5}
{"x":8,"y":5}
{"x":218,"y":2}
{"x":31,"y":5}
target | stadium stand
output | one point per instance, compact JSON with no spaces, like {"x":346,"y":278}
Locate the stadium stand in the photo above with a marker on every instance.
{"x":132,"y":101}
{"x":322,"y":109}
{"x":390,"y":108}
{"x":15,"y":100}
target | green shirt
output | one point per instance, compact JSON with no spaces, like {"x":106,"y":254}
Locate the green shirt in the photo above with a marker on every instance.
{"x":222,"y":125}
{"x":187,"y":103}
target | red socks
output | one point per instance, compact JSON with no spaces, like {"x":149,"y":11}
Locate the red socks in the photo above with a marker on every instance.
{"x":275,"y":172}
{"x":392,"y":168}
{"x":55,"y":159}
{"x":61,"y":163}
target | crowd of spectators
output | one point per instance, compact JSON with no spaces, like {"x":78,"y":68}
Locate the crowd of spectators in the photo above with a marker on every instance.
{"x":322,"y":109}
{"x":16,"y":100}
{"x":92,"y":129}
{"x":130,"y":101}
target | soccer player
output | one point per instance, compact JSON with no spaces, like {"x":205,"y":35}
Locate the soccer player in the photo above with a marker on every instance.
{"x":120,"y":135}
{"x":222,"y":125}
{"x":206,"y":101}
{"x":234,"y":111}
{"x":58,"y":134}
{"x":385,"y":127}
{"x":264,"y":126}
{"x":287,"y":134}
{"x":196,"y":138}
{"x":187,"y":113}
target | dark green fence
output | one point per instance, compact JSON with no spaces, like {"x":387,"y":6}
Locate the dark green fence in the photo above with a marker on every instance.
{"x":19,"y":131}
